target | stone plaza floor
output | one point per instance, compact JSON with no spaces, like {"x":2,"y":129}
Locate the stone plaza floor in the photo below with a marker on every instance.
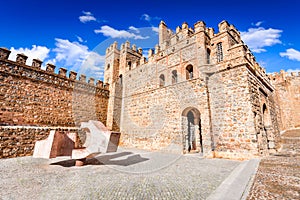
{"x":137,"y":174}
{"x":122,"y":175}
{"x":278,"y":175}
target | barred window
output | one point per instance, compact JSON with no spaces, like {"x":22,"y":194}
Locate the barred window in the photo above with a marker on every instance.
{"x":219,"y":52}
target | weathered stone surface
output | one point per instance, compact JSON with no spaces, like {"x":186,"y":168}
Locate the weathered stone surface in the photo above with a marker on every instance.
{"x":31,"y":96}
{"x":287,"y":97}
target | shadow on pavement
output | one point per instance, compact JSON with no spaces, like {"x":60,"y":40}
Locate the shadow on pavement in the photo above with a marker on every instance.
{"x":106,"y":160}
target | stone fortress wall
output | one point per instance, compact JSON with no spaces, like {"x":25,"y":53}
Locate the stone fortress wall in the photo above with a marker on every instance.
{"x":213,"y":77}
{"x":33,"y":99}
{"x":287,"y":97}
{"x":198,"y":91}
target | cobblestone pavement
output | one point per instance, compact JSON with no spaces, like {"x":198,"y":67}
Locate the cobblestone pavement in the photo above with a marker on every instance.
{"x":124,"y":175}
{"x":278,"y":176}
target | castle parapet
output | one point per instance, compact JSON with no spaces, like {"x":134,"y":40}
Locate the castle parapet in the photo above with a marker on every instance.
{"x":283,"y":76}
{"x":4,"y":53}
{"x":223,"y":26}
{"x":21,"y":58}
{"x":106,"y":86}
{"x":133,"y":47}
{"x":199,"y":26}
{"x":142,"y":60}
{"x":82,"y":78}
{"x":178,"y":29}
{"x":127,"y":45}
{"x":36,"y":63}
{"x":50,"y":67}
{"x":140,"y":50}
{"x":210,"y":32}
{"x":184,"y":26}
{"x":62,"y":72}
{"x":19,"y":69}
{"x":150,"y":53}
{"x":99,"y":84}
{"x":157,"y":48}
{"x":91,"y":81}
{"x":72,"y":75}
{"x":112,"y":47}
{"x":293,"y":74}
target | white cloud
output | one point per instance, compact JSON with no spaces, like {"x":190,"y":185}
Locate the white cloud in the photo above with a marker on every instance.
{"x":148,"y":18}
{"x":87,"y":13}
{"x":155,"y":29}
{"x":114,"y":33}
{"x":257,"y":23}
{"x":87,"y":17}
{"x":258,"y":38}
{"x":52,"y":61}
{"x":291,"y":54}
{"x":36,"y":52}
{"x":79,"y":38}
{"x":293,"y":70}
{"x":132,"y":28}
{"x":77,"y":57}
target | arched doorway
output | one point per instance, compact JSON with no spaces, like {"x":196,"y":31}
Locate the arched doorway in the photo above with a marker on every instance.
{"x":191,"y":130}
{"x":267,"y":127}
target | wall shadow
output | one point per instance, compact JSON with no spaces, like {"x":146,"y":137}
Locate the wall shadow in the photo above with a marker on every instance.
{"x":106,"y":160}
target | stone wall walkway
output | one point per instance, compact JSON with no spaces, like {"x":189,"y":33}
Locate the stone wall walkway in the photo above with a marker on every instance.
{"x":278,"y":176}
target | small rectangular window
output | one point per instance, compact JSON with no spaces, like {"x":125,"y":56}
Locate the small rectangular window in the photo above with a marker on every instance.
{"x":219,"y":52}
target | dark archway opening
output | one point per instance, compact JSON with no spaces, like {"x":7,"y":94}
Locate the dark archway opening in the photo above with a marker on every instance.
{"x":191,"y":131}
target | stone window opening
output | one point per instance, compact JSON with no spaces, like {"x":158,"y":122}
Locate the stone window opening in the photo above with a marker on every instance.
{"x":189,"y":72}
{"x":161,"y":80}
{"x":121,"y":79}
{"x":219,"y":52}
{"x":208,"y":56}
{"x":266,"y":116}
{"x":174,"y":77}
{"x":108,"y":66}
{"x":129,"y":65}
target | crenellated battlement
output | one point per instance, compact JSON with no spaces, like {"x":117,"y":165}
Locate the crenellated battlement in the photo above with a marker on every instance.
{"x":186,"y":42}
{"x":34,"y":96}
{"x":19,"y":68}
{"x":168,"y":38}
{"x":124,"y":47}
{"x":282,"y":76}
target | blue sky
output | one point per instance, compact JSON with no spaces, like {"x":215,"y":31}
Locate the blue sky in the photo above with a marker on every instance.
{"x":67,"y":32}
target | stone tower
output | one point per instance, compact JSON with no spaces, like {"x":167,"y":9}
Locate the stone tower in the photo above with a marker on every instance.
{"x":199,"y":91}
{"x":117,"y":62}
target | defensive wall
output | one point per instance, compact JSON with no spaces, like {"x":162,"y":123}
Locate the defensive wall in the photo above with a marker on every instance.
{"x":35,"y":99}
